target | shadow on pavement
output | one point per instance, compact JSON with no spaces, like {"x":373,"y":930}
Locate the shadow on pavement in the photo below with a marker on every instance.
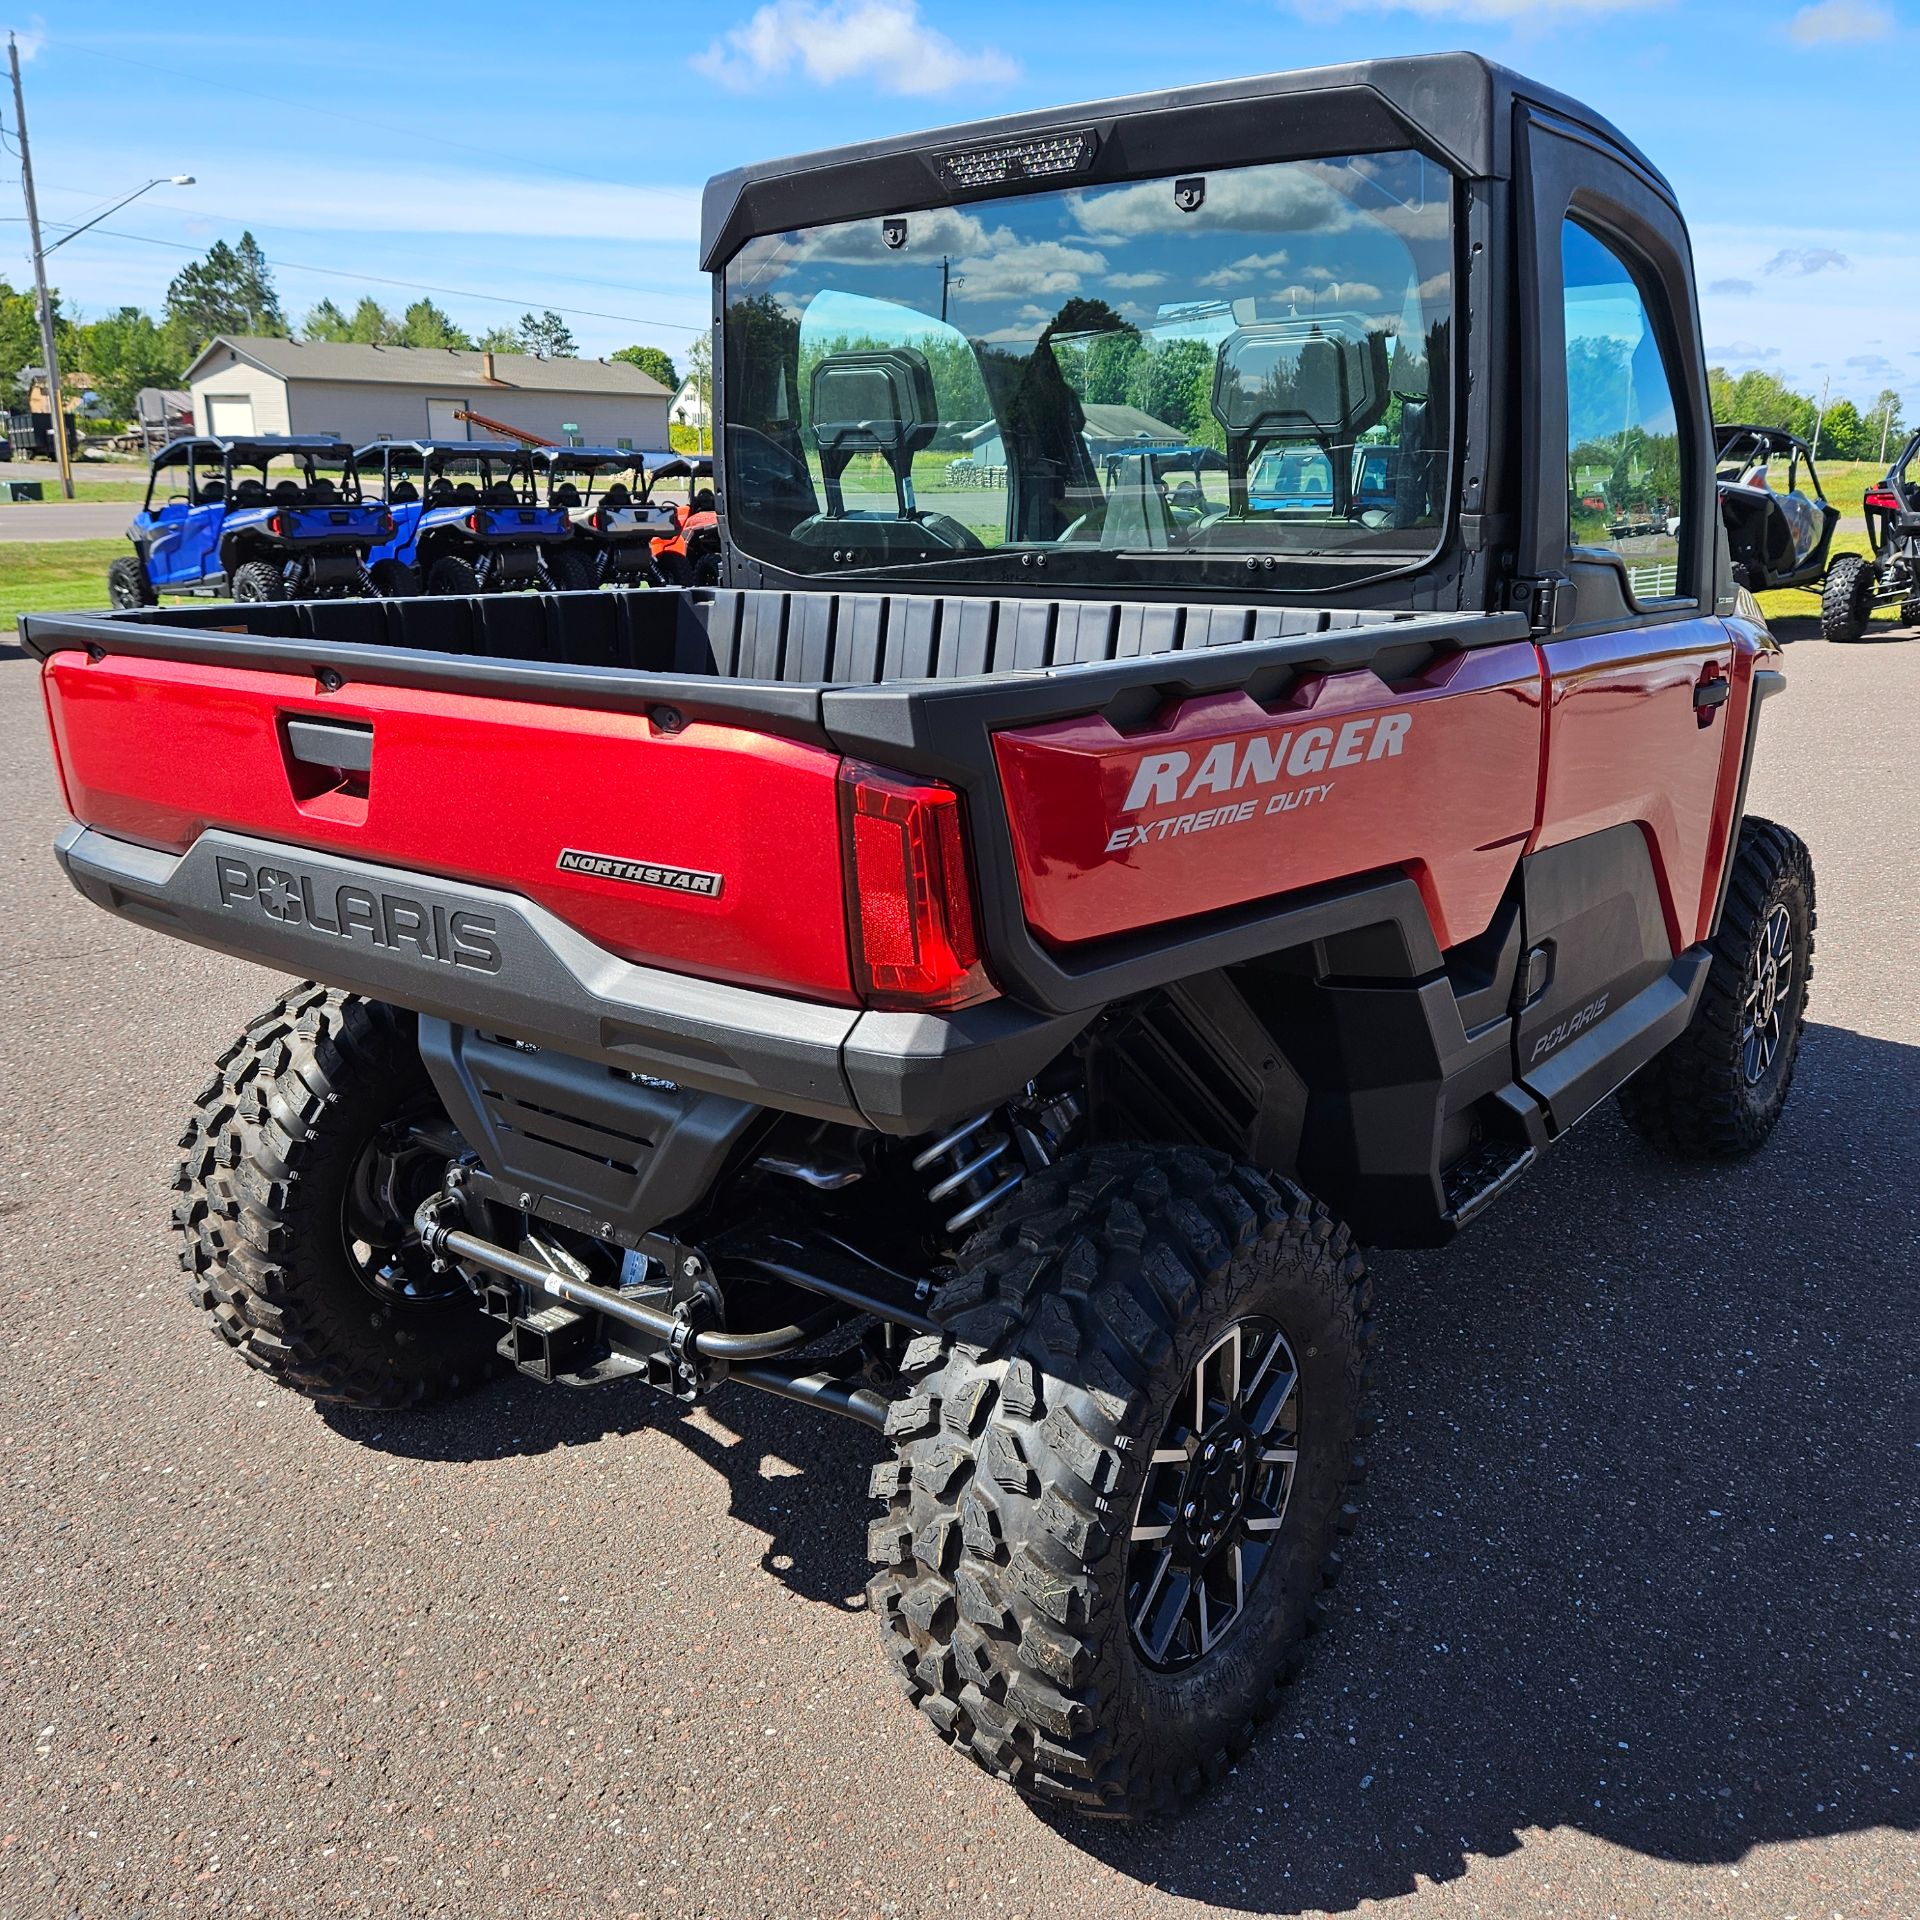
{"x":815,"y":1516}
{"x":1638,"y":1556}
{"x":1639,"y":1550}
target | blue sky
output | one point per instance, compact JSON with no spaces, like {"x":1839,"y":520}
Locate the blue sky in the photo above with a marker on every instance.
{"x":552,"y":155}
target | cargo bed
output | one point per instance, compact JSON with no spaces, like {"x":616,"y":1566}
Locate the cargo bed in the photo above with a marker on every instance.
{"x":641,"y":795}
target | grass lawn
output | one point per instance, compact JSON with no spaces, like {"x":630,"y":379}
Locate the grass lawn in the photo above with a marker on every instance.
{"x":53,"y":576}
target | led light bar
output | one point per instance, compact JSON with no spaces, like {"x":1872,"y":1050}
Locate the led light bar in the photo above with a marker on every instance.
{"x":1023,"y":160}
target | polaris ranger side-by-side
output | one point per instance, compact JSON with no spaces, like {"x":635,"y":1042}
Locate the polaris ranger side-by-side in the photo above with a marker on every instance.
{"x":217,"y":523}
{"x":466,"y":519}
{"x":986,"y":969}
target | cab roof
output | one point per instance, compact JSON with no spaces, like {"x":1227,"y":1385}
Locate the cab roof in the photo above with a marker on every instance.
{"x":441,"y":449}
{"x":252,"y":447}
{"x":585,"y":459}
{"x":1460,"y":105}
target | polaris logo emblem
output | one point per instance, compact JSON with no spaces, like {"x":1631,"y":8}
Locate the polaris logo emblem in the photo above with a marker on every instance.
{"x":370,"y":916}
{"x":1557,"y":1037}
{"x":642,"y":873}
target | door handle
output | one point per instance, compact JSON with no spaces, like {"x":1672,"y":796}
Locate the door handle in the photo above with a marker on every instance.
{"x":1711,"y":690}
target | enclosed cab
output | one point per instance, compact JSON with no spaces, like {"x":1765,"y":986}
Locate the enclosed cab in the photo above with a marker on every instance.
{"x":275,"y":517}
{"x":467,"y":518}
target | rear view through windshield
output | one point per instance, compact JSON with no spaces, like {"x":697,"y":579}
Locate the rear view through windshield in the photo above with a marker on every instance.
{"x":1214,"y":379}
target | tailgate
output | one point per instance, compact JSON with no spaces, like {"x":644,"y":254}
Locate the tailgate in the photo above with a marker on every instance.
{"x":687,"y":844}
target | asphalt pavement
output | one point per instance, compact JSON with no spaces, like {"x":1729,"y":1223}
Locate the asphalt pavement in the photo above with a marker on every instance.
{"x":54,"y":519}
{"x":1631,"y":1628}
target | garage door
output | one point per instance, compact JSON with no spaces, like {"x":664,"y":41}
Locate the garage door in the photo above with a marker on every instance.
{"x":230,"y":415}
{"x":441,"y":425}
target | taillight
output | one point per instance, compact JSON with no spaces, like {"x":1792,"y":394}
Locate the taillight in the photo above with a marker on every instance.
{"x":909,"y":908}
{"x":274,"y":527}
{"x":388,"y":525}
{"x":1881,"y":500}
{"x":473,"y":523}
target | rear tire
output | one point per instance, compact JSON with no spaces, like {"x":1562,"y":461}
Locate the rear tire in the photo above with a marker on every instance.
{"x":707,"y":570}
{"x":674,"y":569}
{"x":1846,"y":599}
{"x":127,"y":583}
{"x":1036,"y":1432}
{"x":258,"y":580}
{"x":1910,"y":615}
{"x":449,"y":575}
{"x":294,"y":1216}
{"x":394,"y":579}
{"x":570,"y":571}
{"x":1717,"y":1092}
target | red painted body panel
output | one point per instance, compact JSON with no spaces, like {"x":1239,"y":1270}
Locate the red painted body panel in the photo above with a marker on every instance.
{"x":1625,"y":744}
{"x":485,"y":790}
{"x":1439,"y":777}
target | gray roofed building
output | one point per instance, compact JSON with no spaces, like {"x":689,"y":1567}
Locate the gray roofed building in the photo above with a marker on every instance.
{"x":243,"y":384}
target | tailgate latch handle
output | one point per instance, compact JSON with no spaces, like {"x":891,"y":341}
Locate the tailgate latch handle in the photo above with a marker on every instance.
{"x":344,"y":745}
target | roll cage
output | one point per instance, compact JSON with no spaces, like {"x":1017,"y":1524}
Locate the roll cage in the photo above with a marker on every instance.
{"x":220,"y":470}
{"x":452,"y":473}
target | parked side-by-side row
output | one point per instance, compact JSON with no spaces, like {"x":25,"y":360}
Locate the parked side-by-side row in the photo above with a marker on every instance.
{"x":279,"y":517}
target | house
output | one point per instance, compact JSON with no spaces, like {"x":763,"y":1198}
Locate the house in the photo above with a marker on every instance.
{"x":244,"y":384}
{"x":1109,"y":429}
{"x":688,"y":409}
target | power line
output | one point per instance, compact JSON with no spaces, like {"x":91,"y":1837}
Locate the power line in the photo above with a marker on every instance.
{"x":420,"y":286}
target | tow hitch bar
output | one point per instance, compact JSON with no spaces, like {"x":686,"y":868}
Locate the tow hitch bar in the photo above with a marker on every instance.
{"x":745,"y":1356}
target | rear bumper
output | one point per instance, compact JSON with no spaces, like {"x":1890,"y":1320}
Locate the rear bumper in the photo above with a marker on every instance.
{"x":494,"y":961}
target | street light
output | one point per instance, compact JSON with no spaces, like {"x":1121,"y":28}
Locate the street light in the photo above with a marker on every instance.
{"x":48,"y":354}
{"x":159,"y":180}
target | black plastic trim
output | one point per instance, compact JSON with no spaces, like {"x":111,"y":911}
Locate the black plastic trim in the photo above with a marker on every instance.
{"x":509,"y":967}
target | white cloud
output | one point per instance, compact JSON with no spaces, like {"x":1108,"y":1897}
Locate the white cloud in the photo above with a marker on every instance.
{"x":1134,"y":282}
{"x":882,"y":41}
{"x":1802,"y":261}
{"x":1731,"y":289}
{"x":1033,"y":269}
{"x":1302,"y":198}
{"x":1793,"y":320}
{"x":30,"y":38}
{"x":1250,"y":266}
{"x":1841,"y":23}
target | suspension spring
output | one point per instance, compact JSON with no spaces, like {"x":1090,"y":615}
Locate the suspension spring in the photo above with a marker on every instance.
{"x":975,"y":1164}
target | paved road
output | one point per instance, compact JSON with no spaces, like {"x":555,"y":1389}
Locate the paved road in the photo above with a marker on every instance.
{"x":1632,"y":1628}
{"x":66,"y":520}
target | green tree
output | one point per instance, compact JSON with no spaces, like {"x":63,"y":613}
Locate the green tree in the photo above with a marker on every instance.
{"x":500,"y":340}
{"x":122,"y":353}
{"x":325,"y":321}
{"x":547,"y":335}
{"x":425,"y":325}
{"x":20,"y":338}
{"x":654,"y":360}
{"x":372,"y":325}
{"x":1888,"y":428}
{"x":1170,"y":380}
{"x":230,"y":291}
{"x":1844,"y":435}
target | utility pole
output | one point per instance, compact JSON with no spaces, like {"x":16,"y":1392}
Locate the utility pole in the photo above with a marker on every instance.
{"x":51,"y":358}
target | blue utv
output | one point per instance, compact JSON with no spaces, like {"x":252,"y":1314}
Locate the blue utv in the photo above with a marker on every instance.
{"x":466,"y":520}
{"x":217,"y":521}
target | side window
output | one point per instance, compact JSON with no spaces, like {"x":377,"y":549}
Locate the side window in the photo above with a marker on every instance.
{"x":1625,"y":484}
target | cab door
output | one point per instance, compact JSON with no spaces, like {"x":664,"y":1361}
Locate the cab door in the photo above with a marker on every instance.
{"x":1621,"y":876}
